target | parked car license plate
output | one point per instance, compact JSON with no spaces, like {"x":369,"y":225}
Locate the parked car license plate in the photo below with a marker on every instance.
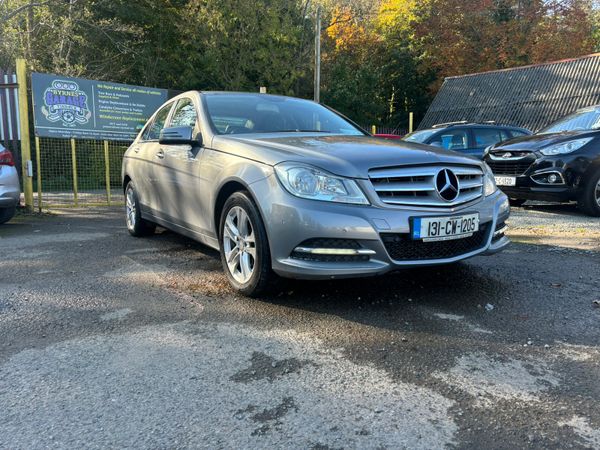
{"x":445,"y":228}
{"x":506,"y":181}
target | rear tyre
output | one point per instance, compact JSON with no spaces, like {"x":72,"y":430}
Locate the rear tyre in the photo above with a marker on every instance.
{"x":135,"y":224}
{"x":589,"y":200}
{"x":516,"y":201}
{"x":7,"y":213}
{"x":244,"y":246}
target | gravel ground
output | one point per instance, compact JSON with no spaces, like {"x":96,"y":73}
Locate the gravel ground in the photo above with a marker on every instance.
{"x":111,"y":341}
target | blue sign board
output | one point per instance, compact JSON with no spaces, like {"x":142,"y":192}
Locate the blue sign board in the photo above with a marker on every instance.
{"x":67,"y":107}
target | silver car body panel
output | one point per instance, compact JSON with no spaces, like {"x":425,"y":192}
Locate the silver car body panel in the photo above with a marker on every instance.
{"x":180,"y":190}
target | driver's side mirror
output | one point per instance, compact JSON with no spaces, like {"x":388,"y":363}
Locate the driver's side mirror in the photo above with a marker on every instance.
{"x":179,"y":136}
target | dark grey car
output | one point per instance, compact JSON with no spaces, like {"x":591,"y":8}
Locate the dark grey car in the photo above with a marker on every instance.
{"x":288,"y":186}
{"x":466,"y":137}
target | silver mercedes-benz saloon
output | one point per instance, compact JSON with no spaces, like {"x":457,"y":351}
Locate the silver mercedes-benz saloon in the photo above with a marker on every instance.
{"x":286,"y":186}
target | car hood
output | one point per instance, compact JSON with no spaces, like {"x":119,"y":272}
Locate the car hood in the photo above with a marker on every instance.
{"x":349,"y":156}
{"x":538,"y":141}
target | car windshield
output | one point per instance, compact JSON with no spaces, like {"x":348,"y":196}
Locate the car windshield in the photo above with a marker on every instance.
{"x":419,"y":136}
{"x":260,"y":113}
{"x":585,"y":119}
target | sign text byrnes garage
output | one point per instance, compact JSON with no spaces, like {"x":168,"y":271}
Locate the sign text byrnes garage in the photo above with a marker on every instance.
{"x":67,"y":107}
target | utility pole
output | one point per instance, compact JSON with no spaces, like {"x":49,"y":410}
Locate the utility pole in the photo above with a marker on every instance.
{"x":317,"y":87}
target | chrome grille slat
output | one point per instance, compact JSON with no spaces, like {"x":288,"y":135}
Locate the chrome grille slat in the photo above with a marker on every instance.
{"x":425,"y":201}
{"x":403,"y":187}
{"x":468,"y":184}
{"x":425,"y":171}
{"x":461,"y":171}
{"x":415,"y":185}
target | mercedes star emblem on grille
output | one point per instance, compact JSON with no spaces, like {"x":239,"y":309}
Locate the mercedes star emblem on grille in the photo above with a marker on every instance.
{"x":506,"y":155}
{"x":446,"y":184}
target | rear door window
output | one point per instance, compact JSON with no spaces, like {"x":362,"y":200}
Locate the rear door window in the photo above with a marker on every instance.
{"x":451,"y":140}
{"x":485,"y":137}
{"x":518,"y":133}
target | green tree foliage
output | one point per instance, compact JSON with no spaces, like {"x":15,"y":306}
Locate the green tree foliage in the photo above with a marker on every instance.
{"x":381,"y":58}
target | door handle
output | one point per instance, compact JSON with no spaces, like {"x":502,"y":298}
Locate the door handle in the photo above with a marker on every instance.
{"x":160,"y":154}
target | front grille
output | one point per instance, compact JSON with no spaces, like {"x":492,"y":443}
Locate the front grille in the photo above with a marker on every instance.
{"x":401,"y":247}
{"x":415,"y":185}
{"x":508,"y":167}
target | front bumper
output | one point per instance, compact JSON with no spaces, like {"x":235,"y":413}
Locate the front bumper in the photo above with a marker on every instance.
{"x":10,"y":190}
{"x":531,"y":182}
{"x":290,"y":221}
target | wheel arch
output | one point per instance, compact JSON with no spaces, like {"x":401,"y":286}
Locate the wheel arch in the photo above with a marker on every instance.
{"x":227,"y":190}
{"x":126,"y":180}
{"x":592,"y":167}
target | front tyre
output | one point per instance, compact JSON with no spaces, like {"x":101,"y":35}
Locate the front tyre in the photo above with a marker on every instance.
{"x":589,"y":200}
{"x":6,"y":214}
{"x":244,"y":246}
{"x":135,"y":224}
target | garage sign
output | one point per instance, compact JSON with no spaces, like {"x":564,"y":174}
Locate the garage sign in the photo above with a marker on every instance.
{"x":66,"y":107}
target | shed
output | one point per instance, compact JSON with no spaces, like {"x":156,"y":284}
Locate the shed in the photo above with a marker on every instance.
{"x":529,"y":96}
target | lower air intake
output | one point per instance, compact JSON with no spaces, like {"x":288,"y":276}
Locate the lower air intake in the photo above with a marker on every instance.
{"x":401,"y":247}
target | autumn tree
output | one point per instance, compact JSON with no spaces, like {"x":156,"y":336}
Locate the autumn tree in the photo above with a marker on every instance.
{"x":464,"y":36}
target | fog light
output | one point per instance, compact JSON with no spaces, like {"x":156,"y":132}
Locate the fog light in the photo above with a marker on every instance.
{"x":504,"y":206}
{"x":552,"y":178}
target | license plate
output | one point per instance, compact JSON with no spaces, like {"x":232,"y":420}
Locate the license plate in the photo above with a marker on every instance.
{"x":445,"y":228}
{"x":506,"y":181}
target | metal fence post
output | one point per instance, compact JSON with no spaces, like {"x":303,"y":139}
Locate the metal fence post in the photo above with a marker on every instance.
{"x":38,"y":169}
{"x":25,"y":140}
{"x":107,"y":171}
{"x":74,"y":166}
{"x":410,"y":122}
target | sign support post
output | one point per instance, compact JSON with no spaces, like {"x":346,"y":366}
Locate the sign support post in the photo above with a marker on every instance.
{"x":38,"y":168}
{"x":74,"y":167}
{"x":107,"y":171}
{"x":25,"y":139}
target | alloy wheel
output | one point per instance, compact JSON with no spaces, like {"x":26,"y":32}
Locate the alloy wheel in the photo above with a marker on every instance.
{"x":130,"y":207}
{"x":239,"y":244}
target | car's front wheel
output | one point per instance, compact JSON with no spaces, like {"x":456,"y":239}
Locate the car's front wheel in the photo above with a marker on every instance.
{"x":589,"y":201}
{"x":244,"y":246}
{"x":136,"y":225}
{"x":6,"y":214}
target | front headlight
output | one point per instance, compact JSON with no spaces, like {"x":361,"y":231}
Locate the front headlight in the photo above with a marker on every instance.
{"x":487,"y":150}
{"x":565,"y":147}
{"x":315,"y":184}
{"x":489,"y":183}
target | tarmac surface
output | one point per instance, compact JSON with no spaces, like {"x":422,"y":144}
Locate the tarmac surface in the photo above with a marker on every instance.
{"x":111,"y":341}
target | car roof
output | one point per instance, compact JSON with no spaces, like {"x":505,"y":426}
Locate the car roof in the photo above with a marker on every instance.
{"x":226,"y":93}
{"x":444,"y":126}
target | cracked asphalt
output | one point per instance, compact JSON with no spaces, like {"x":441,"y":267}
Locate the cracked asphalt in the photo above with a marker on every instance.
{"x":108,"y":341}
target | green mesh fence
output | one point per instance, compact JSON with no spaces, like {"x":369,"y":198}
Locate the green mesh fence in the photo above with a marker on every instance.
{"x":78,"y":173}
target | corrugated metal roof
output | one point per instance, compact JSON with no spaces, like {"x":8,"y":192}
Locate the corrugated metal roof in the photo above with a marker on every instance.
{"x":9,"y":110}
{"x":530,"y":96}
